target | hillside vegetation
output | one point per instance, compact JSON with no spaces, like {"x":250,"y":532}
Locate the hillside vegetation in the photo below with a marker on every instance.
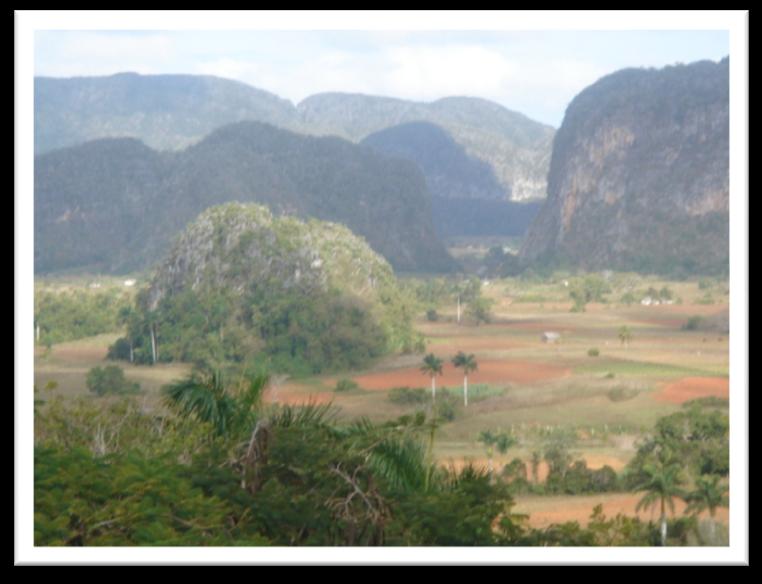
{"x":241,"y":285}
{"x":115,"y":205}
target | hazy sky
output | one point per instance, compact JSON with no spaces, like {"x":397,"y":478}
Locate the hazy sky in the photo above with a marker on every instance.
{"x":535,"y":73}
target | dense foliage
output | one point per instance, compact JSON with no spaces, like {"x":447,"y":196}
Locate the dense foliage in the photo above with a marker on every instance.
{"x":110,"y":380}
{"x":254,"y":475}
{"x":67,"y":316}
{"x":221,"y":468}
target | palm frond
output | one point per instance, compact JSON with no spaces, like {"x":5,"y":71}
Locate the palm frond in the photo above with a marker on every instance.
{"x":401,"y":462}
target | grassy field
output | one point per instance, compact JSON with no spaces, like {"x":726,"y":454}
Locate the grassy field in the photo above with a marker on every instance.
{"x":531,"y":389}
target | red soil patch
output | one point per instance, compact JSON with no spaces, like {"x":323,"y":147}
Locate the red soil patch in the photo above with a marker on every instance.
{"x":493,"y":372}
{"x":544,"y":511}
{"x":295,"y":399}
{"x":294,"y":395}
{"x":690,"y":388}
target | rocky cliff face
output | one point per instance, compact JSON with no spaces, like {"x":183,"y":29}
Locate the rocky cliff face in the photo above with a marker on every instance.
{"x":639,"y":174}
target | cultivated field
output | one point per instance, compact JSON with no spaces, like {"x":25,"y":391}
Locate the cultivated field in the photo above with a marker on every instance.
{"x":533,"y":390}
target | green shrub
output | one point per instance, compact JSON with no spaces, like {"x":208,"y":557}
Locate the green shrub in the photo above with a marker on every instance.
{"x":446,"y":409}
{"x":345,"y":384}
{"x":693,"y":323}
{"x":407,"y":395}
{"x":622,"y":393}
{"x":110,"y":380}
{"x":431,"y":315}
{"x":593,"y":352}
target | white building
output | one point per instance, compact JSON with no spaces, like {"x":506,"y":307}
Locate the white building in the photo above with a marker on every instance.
{"x":550,"y":337}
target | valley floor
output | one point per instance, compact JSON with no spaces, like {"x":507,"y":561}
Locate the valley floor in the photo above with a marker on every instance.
{"x":533,"y":390}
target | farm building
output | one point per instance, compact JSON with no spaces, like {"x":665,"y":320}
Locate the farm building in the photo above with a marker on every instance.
{"x":550,"y":337}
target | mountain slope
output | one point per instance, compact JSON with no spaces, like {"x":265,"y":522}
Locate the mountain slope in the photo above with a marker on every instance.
{"x":83,"y":217}
{"x":169,"y":112}
{"x":466,"y":197}
{"x":164,"y":111}
{"x":517,"y":148}
{"x":639,"y":174}
{"x":449,"y":171}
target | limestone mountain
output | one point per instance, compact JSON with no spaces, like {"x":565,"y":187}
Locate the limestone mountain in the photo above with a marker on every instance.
{"x":639,"y":174}
{"x":515,"y":147}
{"x":170,"y":112}
{"x":240,"y":283}
{"x":466,"y":197}
{"x":166,"y":112}
{"x":449,"y":171}
{"x":115,"y":205}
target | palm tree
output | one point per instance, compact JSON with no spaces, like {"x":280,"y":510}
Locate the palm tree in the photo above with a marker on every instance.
{"x":662,"y":485}
{"x":625,"y":335}
{"x":432,"y":366}
{"x":205,"y":396}
{"x":468,"y":363}
{"x":501,"y":441}
{"x":708,"y":495}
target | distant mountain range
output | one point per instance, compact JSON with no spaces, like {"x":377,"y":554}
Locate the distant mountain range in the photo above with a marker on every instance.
{"x":115,"y":204}
{"x":169,"y":112}
{"x":639,"y":177}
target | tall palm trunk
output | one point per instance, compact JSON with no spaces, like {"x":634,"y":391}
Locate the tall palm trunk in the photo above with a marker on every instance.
{"x":663,"y":522}
{"x":458,"y":307}
{"x":465,"y":390}
{"x":154,"y":351}
{"x":433,"y":388}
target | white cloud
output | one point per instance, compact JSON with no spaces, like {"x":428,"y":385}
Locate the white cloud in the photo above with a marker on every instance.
{"x":535,"y":73}
{"x":102,"y":53}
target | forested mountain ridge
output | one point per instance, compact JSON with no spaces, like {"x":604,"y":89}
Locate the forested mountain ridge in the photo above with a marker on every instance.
{"x":516,"y":147}
{"x":170,"y":112}
{"x":166,"y":112}
{"x":639,"y":177}
{"x":114,"y":205}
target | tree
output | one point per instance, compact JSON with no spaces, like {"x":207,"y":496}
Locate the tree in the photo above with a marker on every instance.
{"x":479,"y":309}
{"x":110,"y":379}
{"x":432,"y":366}
{"x":125,"y":318}
{"x":662,"y":484}
{"x":468,"y":364}
{"x":708,"y":494}
{"x":625,"y":335}
{"x":591,"y":288}
{"x":500,"y":441}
